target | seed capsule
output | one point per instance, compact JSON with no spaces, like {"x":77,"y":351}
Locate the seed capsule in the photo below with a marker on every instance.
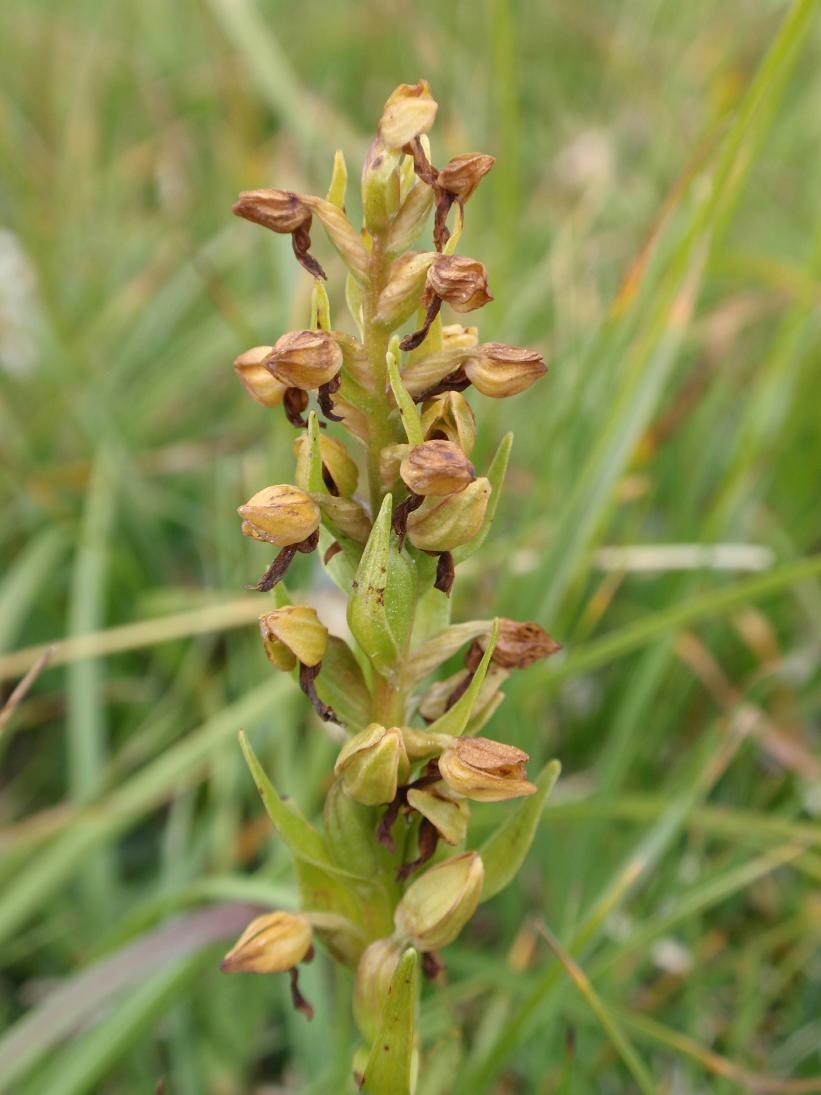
{"x":436,"y":468}
{"x":280,"y":210}
{"x":485,"y":770}
{"x":409,"y":111}
{"x":270,"y":944}
{"x":293,"y":634}
{"x":280,"y":515}
{"x":256,"y":379}
{"x":460,"y":281}
{"x":497,"y":370}
{"x":462,"y":174}
{"x":442,"y":524}
{"x":372,"y":764}
{"x":436,"y":907}
{"x":449,"y":416}
{"x":304,"y":359}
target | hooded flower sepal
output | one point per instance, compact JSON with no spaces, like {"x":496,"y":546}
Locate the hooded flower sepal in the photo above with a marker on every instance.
{"x":436,"y":906}
{"x":456,"y":182}
{"x":372,"y":764}
{"x":292,"y":635}
{"x":456,"y":280}
{"x":285,"y":516}
{"x":274,"y":943}
{"x":520,"y":645}
{"x":485,"y":770}
{"x":285,"y":213}
{"x":255,"y":378}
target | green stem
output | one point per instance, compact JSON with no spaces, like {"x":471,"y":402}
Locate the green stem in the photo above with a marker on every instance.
{"x":376,"y":338}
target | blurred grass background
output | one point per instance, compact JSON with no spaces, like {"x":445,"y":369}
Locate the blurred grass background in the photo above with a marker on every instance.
{"x":653,"y":224}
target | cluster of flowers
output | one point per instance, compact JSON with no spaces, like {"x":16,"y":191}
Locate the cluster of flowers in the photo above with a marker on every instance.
{"x":401,"y":790}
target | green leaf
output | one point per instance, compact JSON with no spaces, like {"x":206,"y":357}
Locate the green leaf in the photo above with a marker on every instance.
{"x":381,"y":607}
{"x":407,"y":408}
{"x":301,"y":838}
{"x":496,"y":475}
{"x":339,"y":181}
{"x":341,"y":684}
{"x":315,"y":480}
{"x":505,"y":849}
{"x":320,"y":307}
{"x":388,"y":1070}
{"x":456,"y":718}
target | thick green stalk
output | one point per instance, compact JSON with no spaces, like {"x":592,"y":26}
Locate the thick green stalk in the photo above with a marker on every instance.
{"x":376,"y":340}
{"x":388,"y":701}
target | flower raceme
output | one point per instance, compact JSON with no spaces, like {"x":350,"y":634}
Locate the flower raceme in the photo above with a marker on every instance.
{"x":386,"y":487}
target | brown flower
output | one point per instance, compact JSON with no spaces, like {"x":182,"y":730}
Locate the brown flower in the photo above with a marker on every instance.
{"x":280,"y":210}
{"x":304,"y":359}
{"x":462,"y":174}
{"x":485,"y":770}
{"x":256,"y":379}
{"x":436,"y":467}
{"x":459,"y":281}
{"x":497,"y":370}
{"x":519,"y":645}
{"x":280,"y":515}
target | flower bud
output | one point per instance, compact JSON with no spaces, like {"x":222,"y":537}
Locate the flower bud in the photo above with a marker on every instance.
{"x":280,"y":515}
{"x":459,"y":281}
{"x":304,"y":359}
{"x":293,"y":634}
{"x":336,"y":463}
{"x":463,"y":174}
{"x":346,"y":515}
{"x":280,"y":210}
{"x":372,"y":764}
{"x":380,"y":186}
{"x":448,"y":814}
{"x":451,"y":417}
{"x":436,"y":468}
{"x":373,"y":979}
{"x":485,"y":770}
{"x":401,"y":296}
{"x":442,"y":524}
{"x":518,"y":646}
{"x":497,"y":370}
{"x":457,"y":337}
{"x":436,"y":907}
{"x":409,"y":111}
{"x":256,"y":379}
{"x":270,"y":944}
